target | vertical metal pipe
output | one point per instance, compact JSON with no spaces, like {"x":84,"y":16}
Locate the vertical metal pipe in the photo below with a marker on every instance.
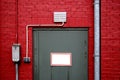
{"x":16,"y":67}
{"x":96,"y":40}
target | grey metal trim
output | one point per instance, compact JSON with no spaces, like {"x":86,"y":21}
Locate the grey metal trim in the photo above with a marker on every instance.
{"x":60,"y":29}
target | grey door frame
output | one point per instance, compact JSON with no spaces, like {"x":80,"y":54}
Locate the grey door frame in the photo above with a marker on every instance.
{"x":55,"y":29}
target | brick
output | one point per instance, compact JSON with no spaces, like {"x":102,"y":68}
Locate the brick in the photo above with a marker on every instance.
{"x":110,"y":40}
{"x":79,"y":14}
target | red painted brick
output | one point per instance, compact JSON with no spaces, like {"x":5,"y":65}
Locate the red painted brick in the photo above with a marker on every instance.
{"x":79,"y":14}
{"x":110,"y":40}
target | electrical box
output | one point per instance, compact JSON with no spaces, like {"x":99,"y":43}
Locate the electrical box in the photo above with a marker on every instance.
{"x":60,"y":16}
{"x":16,"y":52}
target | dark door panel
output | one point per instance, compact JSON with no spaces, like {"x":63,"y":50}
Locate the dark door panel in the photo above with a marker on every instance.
{"x":63,"y":40}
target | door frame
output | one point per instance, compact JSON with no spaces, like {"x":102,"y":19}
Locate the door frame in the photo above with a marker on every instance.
{"x":62,"y":29}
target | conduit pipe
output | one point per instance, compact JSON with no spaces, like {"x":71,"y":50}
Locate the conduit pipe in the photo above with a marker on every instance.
{"x":96,"y":40}
{"x":27,"y":58}
{"x":16,"y":66}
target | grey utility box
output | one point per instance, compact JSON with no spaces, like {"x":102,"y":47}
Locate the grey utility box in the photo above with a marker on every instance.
{"x":16,"y":52}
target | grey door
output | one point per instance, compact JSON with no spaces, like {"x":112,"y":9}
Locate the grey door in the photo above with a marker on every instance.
{"x":47,"y":40}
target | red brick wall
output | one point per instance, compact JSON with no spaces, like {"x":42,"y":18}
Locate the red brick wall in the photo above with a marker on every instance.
{"x":7,"y":38}
{"x":79,"y":14}
{"x":110,"y":40}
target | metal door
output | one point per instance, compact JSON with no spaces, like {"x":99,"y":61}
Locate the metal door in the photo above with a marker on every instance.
{"x":47,"y":40}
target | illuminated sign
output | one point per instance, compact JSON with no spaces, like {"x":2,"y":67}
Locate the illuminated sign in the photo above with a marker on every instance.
{"x":61,"y":59}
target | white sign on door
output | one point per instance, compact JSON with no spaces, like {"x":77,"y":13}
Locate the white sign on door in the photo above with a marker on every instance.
{"x":60,"y":59}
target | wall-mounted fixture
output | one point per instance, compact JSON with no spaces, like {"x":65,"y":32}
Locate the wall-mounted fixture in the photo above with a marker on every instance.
{"x":16,"y":52}
{"x":16,"y":56}
{"x":60,"y":16}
